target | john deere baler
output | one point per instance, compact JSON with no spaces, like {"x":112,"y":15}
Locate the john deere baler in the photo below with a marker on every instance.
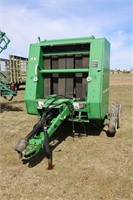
{"x":67,"y":79}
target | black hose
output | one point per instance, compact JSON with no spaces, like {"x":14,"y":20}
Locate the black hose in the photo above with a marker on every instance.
{"x":35,"y":130}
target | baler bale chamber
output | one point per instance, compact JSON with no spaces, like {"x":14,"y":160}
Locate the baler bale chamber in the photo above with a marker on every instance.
{"x":75,"y":68}
{"x":66,"y":79}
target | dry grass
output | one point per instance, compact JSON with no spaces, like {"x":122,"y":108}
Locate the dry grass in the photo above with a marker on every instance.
{"x":88,"y":168}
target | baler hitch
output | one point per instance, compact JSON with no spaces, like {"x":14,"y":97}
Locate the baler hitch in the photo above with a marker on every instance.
{"x":38,"y":138}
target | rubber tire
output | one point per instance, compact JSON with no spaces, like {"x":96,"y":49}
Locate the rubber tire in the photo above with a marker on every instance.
{"x":9,"y":98}
{"x":118,"y":114}
{"x":112,"y":127}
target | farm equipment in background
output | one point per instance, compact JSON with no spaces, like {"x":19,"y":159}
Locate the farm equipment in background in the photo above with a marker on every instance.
{"x":17,"y":70}
{"x":4,"y":41}
{"x":7,"y":89}
{"x":67,"y":80}
{"x":15,"y":67}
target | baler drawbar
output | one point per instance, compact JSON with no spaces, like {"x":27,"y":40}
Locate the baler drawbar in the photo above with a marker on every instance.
{"x":54,"y":111}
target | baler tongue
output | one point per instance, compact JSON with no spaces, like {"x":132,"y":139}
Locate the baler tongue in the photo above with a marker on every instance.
{"x":38,"y":138}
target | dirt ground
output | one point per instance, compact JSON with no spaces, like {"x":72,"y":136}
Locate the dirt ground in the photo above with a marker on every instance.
{"x":95,"y":167}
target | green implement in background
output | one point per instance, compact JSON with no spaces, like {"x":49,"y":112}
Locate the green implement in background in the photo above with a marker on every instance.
{"x":7,"y":89}
{"x":4,"y":41}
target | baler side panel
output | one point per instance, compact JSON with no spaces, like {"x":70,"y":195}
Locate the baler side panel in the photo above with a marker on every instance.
{"x":95,"y":86}
{"x":34,"y":80}
{"x":106,"y":76}
{"x":98,"y":88}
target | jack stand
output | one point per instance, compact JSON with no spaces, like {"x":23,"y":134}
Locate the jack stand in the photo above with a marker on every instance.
{"x":50,"y":164}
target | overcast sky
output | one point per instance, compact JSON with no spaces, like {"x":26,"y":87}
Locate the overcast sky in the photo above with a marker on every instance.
{"x":25,"y":20}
